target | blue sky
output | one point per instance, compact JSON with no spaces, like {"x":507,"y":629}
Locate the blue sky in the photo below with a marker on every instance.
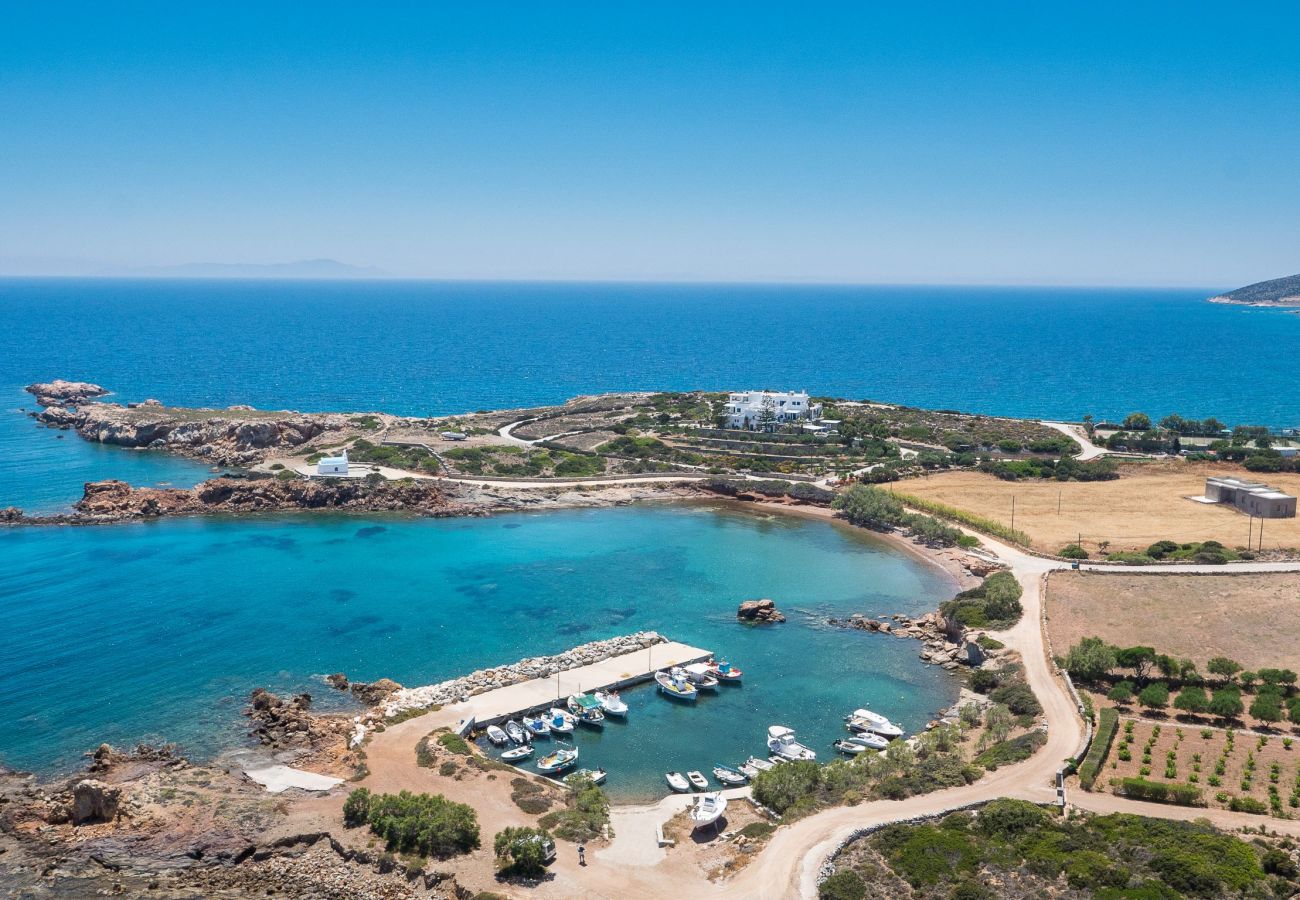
{"x":1121,"y":143}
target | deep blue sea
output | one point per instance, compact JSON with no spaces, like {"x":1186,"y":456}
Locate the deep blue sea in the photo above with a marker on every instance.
{"x":158,"y":631}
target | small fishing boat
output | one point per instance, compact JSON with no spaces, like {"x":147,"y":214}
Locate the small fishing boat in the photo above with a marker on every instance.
{"x":560,"y":759}
{"x":586,"y":709}
{"x":866,"y":720}
{"x":560,"y":720}
{"x":849,"y":748}
{"x":777,"y":760}
{"x":677,"y":782}
{"x":725,"y":672}
{"x":676,"y":687}
{"x":869,"y":740}
{"x":521,"y":752}
{"x":700,"y":676}
{"x":748,"y":770}
{"x":536,"y":726}
{"x":596,"y":775}
{"x":781,"y":741}
{"x":697,"y":780}
{"x":707,"y":809}
{"x":516,"y":732}
{"x":729,"y":776}
{"x":611,"y":703}
{"x":497,"y":736}
{"x":761,"y":764}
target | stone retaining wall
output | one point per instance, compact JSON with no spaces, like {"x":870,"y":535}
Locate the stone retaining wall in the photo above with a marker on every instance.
{"x":458,"y":689}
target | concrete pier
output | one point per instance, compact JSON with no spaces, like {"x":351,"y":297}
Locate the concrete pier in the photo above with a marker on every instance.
{"x":615,"y":672}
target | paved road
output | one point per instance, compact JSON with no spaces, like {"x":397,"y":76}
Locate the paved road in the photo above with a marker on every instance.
{"x":1089,"y":451}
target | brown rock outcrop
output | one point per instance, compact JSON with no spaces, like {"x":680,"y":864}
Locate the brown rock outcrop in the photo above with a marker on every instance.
{"x":759,"y":612}
{"x":94,"y":801}
{"x":374,"y":692}
{"x":59,"y":392}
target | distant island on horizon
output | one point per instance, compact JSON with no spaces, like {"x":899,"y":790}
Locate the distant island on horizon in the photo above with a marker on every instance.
{"x":1283,"y":291}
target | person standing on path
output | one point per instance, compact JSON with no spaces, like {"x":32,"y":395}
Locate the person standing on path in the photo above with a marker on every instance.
{"x":582,"y":854}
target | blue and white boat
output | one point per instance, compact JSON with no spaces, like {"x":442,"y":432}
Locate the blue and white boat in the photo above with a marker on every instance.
{"x":676,"y":687}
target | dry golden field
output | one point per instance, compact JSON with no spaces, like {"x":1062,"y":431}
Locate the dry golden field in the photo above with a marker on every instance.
{"x":1146,"y":504}
{"x":1254,"y":619}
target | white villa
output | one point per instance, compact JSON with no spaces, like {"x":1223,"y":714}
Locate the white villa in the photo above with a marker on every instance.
{"x":333,"y":465}
{"x":758,"y":409}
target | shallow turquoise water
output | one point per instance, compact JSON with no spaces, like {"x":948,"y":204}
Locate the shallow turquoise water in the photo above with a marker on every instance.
{"x":159,"y":630}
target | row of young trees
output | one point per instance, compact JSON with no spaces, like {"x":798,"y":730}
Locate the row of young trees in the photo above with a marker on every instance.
{"x":1093,"y":661}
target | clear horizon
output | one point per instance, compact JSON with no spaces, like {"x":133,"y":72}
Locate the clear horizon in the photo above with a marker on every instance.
{"x":1111,"y":146}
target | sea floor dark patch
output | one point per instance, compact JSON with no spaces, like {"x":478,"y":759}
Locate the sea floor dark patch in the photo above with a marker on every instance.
{"x":370,"y":531}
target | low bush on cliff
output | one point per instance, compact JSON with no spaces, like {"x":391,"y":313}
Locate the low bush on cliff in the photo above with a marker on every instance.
{"x":586,"y":815}
{"x":426,"y":824}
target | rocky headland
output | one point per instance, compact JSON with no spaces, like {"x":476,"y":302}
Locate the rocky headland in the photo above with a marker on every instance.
{"x":64,"y":393}
{"x":945,"y":643}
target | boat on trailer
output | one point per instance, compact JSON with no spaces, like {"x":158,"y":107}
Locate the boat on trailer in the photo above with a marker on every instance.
{"x":729,"y":776}
{"x":676,"y":687}
{"x":707,"y":809}
{"x":781,"y":741}
{"x":557,"y":761}
{"x":677,"y":781}
{"x":586,"y":709}
{"x":611,"y":703}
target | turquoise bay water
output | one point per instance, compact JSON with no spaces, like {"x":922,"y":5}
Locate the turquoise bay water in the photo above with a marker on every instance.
{"x":159,"y":630}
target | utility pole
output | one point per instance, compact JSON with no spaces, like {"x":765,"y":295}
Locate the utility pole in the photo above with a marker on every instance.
{"x":1250,"y":532}
{"x":1013,"y":512}
{"x":1058,"y":502}
{"x":1261,"y":533}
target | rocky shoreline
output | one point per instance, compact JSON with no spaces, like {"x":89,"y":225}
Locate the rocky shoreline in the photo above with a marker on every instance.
{"x":944,"y":643}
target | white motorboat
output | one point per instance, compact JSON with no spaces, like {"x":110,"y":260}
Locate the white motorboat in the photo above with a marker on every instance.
{"x":557,"y":761}
{"x":560,"y":720}
{"x":781,"y":741}
{"x":586,"y":709}
{"x":677,"y":781}
{"x":761,"y":765}
{"x":748,"y":770}
{"x":676,"y":686}
{"x":777,"y":760}
{"x":707,"y":809}
{"x":849,"y":748}
{"x":536,"y":726}
{"x":497,"y":736}
{"x":700,"y":676}
{"x":870,"y":740}
{"x":520,"y":752}
{"x":729,"y":776}
{"x":697,"y":780}
{"x":596,"y":775}
{"x":611,"y":703}
{"x":866,"y":720}
{"x":516,"y":732}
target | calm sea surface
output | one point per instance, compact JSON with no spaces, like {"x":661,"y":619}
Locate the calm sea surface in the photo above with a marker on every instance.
{"x":159,"y":630}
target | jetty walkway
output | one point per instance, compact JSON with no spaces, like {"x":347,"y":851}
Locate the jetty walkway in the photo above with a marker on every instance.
{"x":615,"y":672}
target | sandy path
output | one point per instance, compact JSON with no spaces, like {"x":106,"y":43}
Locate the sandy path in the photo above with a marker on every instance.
{"x":1089,"y":451}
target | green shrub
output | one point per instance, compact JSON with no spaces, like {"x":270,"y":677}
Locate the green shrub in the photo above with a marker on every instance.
{"x":1073,"y":551}
{"x":522,"y":850}
{"x":1141,"y":789}
{"x":586,"y":815}
{"x":845,"y":884}
{"x":455,"y":743}
{"x":427,"y":824}
{"x":1248,"y":805}
{"x":1107,"y":724}
{"x":924,"y":855}
{"x":356,"y":809}
{"x":758,"y":830}
{"x":788,"y":785}
{"x":1018,"y":697}
{"x":978,"y":523}
{"x":1013,"y":751}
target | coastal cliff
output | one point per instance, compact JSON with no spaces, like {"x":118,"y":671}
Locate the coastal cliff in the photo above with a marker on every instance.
{"x":238,"y":436}
{"x":1274,"y":292}
{"x":117,"y":501}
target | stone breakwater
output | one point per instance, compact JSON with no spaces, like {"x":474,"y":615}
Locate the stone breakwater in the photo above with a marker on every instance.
{"x":458,"y":689}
